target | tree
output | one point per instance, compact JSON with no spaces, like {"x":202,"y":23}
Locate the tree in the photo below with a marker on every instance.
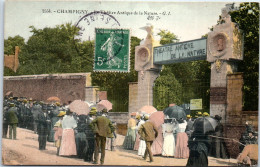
{"x":11,"y":42}
{"x":247,"y":17}
{"x":54,"y":50}
{"x":167,"y":37}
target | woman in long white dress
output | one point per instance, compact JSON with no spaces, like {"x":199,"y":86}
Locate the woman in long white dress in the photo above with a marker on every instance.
{"x":68,"y":143}
{"x":168,"y":138}
{"x":142,"y":145}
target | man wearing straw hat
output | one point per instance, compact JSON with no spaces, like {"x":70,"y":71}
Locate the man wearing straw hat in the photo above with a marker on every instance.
{"x":148,"y":132}
{"x":102,"y":128}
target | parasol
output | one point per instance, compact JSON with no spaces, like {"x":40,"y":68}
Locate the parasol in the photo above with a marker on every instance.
{"x":157,"y":118}
{"x":53,"y":98}
{"x":104,"y":104}
{"x":79,"y":107}
{"x":9,"y":93}
{"x":205,"y":124}
{"x":175,"y":112}
{"x":147,"y":109}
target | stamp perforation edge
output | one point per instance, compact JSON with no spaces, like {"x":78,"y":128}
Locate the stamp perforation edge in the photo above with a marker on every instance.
{"x":129,"y":50}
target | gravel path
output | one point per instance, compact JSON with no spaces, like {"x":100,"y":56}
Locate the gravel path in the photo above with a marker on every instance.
{"x":24,"y":151}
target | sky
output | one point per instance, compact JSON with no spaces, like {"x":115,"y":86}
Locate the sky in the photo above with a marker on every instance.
{"x":187,"y":20}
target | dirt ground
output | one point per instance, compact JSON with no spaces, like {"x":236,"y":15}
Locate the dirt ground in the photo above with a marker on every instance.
{"x":24,"y":151}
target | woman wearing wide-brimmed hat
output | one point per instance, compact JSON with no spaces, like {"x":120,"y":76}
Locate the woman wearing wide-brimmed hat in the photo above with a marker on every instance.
{"x":58,"y":131}
{"x":68,"y":144}
{"x":129,"y":141}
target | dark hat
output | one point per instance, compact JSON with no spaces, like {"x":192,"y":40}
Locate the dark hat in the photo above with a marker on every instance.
{"x":180,"y":120}
{"x":68,"y":112}
{"x":104,"y":110}
{"x":217,"y":117}
{"x":44,"y":107}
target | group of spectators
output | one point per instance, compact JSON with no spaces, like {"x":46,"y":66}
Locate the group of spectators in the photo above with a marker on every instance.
{"x":72,"y":134}
{"x":248,"y":147}
{"x":177,"y":138}
{"x":84,"y":135}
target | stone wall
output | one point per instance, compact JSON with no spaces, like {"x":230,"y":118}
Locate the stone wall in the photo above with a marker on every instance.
{"x":121,"y":118}
{"x":234,"y":93}
{"x":91,"y":94}
{"x":67,"y":87}
{"x":235,"y":113}
{"x":234,"y":98}
{"x":236,"y":118}
{"x":133,"y":95}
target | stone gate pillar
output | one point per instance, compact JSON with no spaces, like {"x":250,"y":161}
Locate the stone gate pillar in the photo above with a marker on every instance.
{"x":224,"y":49}
{"x":147,"y":71}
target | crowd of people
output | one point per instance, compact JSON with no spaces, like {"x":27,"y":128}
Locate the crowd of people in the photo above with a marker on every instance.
{"x":180,"y":139}
{"x":85,"y":136}
{"x":81,"y":136}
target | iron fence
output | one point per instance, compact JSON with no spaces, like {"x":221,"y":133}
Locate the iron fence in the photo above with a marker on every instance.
{"x":182,"y":94}
{"x":119,"y":98}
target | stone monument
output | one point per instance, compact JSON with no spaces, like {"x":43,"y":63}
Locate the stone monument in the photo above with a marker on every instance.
{"x":224,"y":49}
{"x":147,"y":71}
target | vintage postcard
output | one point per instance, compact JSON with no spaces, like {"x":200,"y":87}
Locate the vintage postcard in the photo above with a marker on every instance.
{"x":130,"y":83}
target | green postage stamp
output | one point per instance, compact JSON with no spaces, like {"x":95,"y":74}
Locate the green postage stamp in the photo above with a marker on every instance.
{"x":112,"y":50}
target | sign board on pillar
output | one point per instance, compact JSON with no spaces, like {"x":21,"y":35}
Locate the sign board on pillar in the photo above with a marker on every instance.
{"x":196,"y":104}
{"x":181,"y":52}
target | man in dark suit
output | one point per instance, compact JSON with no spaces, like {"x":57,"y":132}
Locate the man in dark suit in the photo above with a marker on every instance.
{"x":148,"y":132}
{"x":5,"y":121}
{"x":189,"y":128}
{"x":102,"y":127}
{"x":90,"y":136}
{"x":42,"y":128}
{"x":12,"y":120}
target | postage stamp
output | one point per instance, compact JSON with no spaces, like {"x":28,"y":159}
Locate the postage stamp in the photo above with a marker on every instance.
{"x":112,"y":50}
{"x":130,"y":83}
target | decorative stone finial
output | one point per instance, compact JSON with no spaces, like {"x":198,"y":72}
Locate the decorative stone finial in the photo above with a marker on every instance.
{"x":225,"y":11}
{"x":144,"y":52}
{"x":149,"y":38}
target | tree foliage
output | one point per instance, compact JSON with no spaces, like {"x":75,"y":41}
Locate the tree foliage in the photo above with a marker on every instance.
{"x":11,"y":42}
{"x":180,"y":82}
{"x":54,"y":50}
{"x":167,"y":37}
{"x":247,"y":17}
